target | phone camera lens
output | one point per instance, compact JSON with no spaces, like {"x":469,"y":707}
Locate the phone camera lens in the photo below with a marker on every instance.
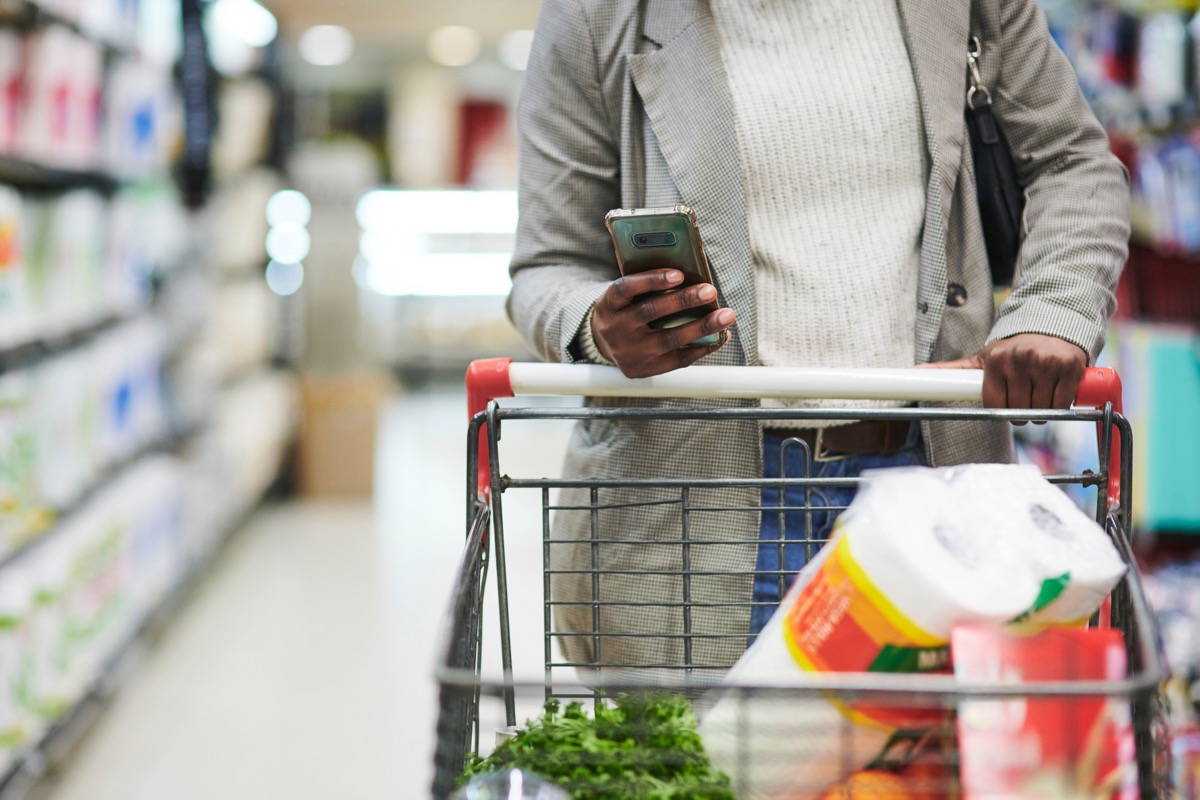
{"x":642,"y":240}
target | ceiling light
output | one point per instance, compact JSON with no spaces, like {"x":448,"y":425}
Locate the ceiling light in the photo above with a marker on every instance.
{"x":326,"y":45}
{"x":284,"y":279}
{"x":230,"y":56}
{"x":438,"y":275}
{"x":288,"y":207}
{"x":288,"y":244}
{"x":453,"y":46}
{"x":514,"y":49}
{"x":247,"y":20}
{"x":438,"y":212}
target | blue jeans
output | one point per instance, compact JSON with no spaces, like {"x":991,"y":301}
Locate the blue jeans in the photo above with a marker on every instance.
{"x":799,"y":542}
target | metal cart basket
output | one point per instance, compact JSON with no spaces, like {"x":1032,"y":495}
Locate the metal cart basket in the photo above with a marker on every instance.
{"x":477,"y":700}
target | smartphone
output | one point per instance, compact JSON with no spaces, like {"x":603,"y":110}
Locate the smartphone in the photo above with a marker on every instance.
{"x":658,"y":238}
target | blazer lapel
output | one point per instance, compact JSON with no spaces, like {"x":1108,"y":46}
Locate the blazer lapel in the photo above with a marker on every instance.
{"x":936,"y":35}
{"x":685,"y":93}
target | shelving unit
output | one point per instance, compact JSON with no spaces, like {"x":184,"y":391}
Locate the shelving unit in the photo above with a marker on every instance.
{"x":1139,"y":64}
{"x":28,"y":175}
{"x":29,"y":15}
{"x":170,"y":444}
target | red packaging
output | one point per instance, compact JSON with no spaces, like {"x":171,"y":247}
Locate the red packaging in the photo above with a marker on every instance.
{"x":1047,"y":747}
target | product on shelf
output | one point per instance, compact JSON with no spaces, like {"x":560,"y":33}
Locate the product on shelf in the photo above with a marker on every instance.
{"x":60,"y":112}
{"x":1160,"y":367}
{"x":241,"y":331}
{"x":1173,"y":591}
{"x":60,"y":107}
{"x":11,"y":59}
{"x":15,"y":320}
{"x":75,"y":259}
{"x":147,"y":235}
{"x":238,"y":225}
{"x":64,"y":421}
{"x":72,"y":601}
{"x":15,"y":722}
{"x":142,"y":120}
{"x":112,"y":21}
{"x":20,"y":516}
{"x":238,"y":454}
{"x":65,"y":260}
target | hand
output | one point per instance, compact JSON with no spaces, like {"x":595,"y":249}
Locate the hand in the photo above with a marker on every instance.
{"x":1029,"y":370}
{"x":621,"y":323}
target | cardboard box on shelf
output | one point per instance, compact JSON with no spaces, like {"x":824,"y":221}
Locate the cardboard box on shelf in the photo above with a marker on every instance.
{"x":340,"y":421}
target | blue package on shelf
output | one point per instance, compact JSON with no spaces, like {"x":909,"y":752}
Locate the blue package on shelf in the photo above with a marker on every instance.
{"x":1173,"y":440}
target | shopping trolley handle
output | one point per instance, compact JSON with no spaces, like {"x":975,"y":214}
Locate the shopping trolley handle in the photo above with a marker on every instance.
{"x":501,"y":377}
{"x":490,"y":379}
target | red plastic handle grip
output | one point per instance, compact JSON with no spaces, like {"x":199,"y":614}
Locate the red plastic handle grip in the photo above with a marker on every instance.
{"x":486,"y":381}
{"x":1099,"y":387}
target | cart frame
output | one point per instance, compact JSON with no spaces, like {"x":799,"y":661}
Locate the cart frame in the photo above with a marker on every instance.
{"x":459,"y":672}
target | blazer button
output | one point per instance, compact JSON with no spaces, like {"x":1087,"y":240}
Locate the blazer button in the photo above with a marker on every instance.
{"x":956,"y":296}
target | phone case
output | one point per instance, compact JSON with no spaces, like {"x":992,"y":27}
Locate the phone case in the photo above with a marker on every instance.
{"x":684,"y":251}
{"x":686,"y":254}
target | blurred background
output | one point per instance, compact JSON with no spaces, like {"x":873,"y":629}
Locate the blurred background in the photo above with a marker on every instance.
{"x":246,"y":252}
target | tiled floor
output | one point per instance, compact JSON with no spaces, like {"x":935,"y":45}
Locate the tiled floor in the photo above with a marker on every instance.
{"x":304,"y":666}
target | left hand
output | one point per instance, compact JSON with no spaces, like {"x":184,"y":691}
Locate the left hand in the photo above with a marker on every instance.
{"x":1029,"y":370}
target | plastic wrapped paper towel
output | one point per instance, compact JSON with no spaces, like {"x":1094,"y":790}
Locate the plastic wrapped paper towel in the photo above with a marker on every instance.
{"x":903,"y":569}
{"x":1075,"y":557}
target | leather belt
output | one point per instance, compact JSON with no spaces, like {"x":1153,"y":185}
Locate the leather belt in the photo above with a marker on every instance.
{"x":869,"y":437}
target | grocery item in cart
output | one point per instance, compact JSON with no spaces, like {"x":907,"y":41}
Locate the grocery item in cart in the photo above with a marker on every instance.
{"x":1078,"y":561}
{"x":642,"y":745}
{"x":1044,"y":747}
{"x":902,"y":571}
{"x":513,"y":784}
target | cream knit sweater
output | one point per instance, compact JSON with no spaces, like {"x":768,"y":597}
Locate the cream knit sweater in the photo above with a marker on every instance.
{"x":835,"y":170}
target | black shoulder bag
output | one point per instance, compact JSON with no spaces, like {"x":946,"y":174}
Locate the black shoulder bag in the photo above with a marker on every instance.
{"x":1001,"y":197}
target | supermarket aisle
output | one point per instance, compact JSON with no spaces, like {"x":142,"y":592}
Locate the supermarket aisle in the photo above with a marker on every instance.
{"x":303,"y":667}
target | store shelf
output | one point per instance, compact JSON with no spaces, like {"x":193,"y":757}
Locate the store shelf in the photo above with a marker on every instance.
{"x":28,"y":769}
{"x":30,"y":353}
{"x":164,"y":444}
{"x":29,"y":15}
{"x":27,"y":175}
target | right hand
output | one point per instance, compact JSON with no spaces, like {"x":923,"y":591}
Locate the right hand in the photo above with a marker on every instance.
{"x":621,"y":323}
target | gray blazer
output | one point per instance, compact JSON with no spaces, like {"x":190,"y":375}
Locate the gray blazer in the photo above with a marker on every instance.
{"x":626,"y":104}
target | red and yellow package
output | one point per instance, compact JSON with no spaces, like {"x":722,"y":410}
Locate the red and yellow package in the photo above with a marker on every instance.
{"x":1044,"y":746}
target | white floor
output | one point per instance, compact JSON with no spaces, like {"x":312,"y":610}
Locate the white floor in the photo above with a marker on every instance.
{"x":304,"y":666}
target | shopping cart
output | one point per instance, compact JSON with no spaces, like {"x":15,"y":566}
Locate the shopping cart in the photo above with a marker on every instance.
{"x":474,"y":706}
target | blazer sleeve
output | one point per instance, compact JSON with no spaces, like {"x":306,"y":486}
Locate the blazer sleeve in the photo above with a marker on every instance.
{"x":1077,"y":193}
{"x":569,"y":179}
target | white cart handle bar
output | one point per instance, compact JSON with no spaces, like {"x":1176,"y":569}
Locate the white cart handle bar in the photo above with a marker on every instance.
{"x":495,"y":378}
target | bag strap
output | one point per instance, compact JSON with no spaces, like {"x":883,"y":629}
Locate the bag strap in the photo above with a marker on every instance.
{"x":976,"y":91}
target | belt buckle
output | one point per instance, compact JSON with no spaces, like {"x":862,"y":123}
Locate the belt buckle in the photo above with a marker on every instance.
{"x":820,"y":455}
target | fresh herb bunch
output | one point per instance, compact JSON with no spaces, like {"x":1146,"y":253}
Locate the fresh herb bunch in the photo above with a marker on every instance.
{"x":645,"y":747}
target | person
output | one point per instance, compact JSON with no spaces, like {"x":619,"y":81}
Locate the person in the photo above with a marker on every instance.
{"x":823,"y":148}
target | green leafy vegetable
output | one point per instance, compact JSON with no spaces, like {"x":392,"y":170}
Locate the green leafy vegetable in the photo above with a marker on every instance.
{"x":644,"y":747}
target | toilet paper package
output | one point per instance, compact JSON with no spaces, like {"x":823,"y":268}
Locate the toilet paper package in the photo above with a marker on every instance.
{"x":1075,"y":557}
{"x":901,"y":572}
